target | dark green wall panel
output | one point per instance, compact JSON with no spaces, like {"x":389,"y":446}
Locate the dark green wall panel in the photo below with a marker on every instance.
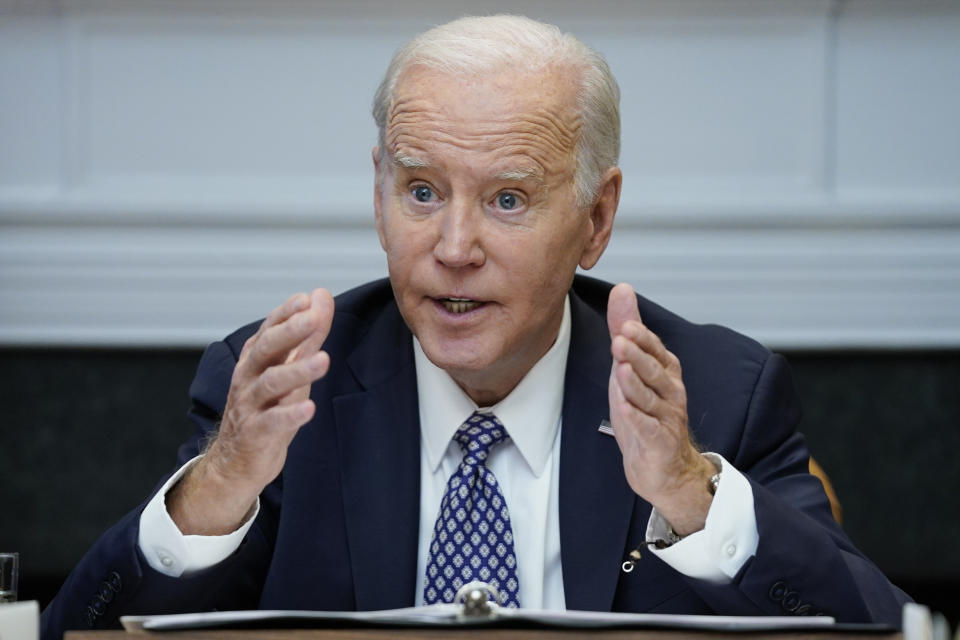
{"x":86,"y":434}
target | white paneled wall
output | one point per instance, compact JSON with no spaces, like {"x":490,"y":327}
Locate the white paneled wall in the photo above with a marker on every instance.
{"x":170,"y":170}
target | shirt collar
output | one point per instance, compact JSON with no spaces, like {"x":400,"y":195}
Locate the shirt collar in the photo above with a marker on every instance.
{"x":530,"y":413}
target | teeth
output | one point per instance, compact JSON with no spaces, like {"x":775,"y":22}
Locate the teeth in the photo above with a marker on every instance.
{"x":459,"y":305}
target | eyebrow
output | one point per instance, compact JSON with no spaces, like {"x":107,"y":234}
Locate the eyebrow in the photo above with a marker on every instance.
{"x":519,"y":175}
{"x":405,"y":161}
{"x":409,"y":162}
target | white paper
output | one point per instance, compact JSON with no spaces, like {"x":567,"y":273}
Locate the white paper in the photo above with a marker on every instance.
{"x":449,"y":614}
{"x":20,"y":620}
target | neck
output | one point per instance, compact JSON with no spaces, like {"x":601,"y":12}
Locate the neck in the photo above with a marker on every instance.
{"x":487,"y":388}
{"x":487,"y":396}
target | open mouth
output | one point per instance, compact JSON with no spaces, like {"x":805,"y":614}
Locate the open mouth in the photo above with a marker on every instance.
{"x":459,"y":305}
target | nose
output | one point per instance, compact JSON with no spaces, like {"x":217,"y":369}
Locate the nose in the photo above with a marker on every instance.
{"x":459,"y":243}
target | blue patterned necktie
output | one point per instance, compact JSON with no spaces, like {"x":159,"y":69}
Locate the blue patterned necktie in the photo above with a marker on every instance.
{"x":472,"y":539}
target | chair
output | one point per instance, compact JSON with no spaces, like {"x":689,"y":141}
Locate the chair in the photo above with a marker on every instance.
{"x":835,"y":507}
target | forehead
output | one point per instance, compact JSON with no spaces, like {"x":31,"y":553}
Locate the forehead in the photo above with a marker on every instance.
{"x":501,"y":114}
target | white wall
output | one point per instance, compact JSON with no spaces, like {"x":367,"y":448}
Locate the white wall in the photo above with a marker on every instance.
{"x":170,"y":170}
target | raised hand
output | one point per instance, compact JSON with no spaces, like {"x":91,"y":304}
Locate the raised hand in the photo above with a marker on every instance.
{"x":648,"y":411}
{"x":268,"y":401}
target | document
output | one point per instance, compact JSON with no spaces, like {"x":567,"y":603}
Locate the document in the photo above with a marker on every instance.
{"x":453,"y":615}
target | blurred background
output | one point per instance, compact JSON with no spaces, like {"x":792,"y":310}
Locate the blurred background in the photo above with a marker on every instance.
{"x":172,"y":170}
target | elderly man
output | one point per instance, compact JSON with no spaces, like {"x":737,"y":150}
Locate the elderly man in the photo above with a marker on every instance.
{"x":485,"y":414}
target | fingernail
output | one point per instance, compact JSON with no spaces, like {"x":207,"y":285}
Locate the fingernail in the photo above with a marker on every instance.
{"x":299,"y":303}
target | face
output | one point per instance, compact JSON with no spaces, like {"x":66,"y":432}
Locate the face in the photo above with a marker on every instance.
{"x":475,"y":209}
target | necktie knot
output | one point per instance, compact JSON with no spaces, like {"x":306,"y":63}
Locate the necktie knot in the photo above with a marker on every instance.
{"x":478,"y":435}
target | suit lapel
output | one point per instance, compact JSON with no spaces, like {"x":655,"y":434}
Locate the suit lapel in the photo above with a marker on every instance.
{"x":378,"y":433}
{"x":596,"y":503}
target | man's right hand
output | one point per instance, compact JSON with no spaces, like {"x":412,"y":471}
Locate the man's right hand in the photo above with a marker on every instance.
{"x":268,"y":402}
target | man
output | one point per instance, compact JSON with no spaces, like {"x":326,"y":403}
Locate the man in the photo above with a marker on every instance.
{"x":383,"y":449}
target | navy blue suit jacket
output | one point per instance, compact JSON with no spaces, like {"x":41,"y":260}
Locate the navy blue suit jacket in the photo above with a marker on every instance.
{"x":330,"y":537}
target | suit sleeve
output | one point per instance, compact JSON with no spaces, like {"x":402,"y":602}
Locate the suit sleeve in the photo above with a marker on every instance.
{"x":114,"y":579}
{"x":804,"y":563}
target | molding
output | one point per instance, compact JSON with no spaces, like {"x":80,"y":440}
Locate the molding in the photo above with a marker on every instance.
{"x":109,"y":286}
{"x":279,"y":208}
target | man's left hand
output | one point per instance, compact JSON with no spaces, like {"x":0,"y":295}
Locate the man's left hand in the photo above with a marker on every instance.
{"x":648,"y":411}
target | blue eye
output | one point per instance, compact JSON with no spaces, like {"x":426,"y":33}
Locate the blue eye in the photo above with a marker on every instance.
{"x":507,"y":201}
{"x":423,"y":194}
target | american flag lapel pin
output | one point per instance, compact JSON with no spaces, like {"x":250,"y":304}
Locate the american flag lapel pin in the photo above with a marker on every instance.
{"x":605,"y":427}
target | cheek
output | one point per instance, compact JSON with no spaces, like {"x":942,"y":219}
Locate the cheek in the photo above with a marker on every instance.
{"x":407,"y":246}
{"x":546,"y":256}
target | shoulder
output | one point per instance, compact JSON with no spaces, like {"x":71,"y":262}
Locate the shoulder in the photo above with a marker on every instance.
{"x":722,"y":369}
{"x":683,"y":337}
{"x":724,"y":372}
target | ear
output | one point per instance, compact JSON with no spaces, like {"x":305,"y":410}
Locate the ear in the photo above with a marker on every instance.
{"x":378,"y":180}
{"x":601,"y":214}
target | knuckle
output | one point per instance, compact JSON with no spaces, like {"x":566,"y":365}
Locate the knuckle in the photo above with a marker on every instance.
{"x":285,"y":418}
{"x":272,"y":381}
{"x":651,"y":368}
{"x":641,"y":335}
{"x":236,"y":378}
{"x":262,"y":347}
{"x":674,"y":361}
{"x":670,"y":382}
{"x":646,"y":397}
{"x":232,"y":416}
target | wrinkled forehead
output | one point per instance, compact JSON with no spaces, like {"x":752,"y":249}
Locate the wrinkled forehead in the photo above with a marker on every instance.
{"x":486,"y":110}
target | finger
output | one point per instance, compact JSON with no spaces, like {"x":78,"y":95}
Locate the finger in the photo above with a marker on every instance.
{"x":650,"y":370}
{"x":275,"y":344}
{"x":621,"y":307}
{"x":321,"y":302}
{"x":630,"y":423}
{"x":650,"y":342}
{"x":636,"y":392}
{"x":279,"y":381}
{"x":288,"y":417}
{"x":295,"y":303}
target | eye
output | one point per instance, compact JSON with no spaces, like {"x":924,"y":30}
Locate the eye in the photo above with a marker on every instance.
{"x":422,"y":193}
{"x":507,"y":201}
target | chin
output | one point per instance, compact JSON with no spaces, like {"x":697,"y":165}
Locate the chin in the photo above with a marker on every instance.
{"x":457,"y":360}
{"x":457,"y":357}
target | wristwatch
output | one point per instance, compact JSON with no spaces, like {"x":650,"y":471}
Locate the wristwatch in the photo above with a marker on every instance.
{"x":714,"y":483}
{"x":671,"y":537}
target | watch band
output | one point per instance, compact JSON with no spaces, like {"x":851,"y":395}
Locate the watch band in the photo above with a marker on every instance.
{"x":714,"y":483}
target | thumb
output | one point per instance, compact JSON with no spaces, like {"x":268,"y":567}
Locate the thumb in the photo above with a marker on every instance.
{"x":621,"y":307}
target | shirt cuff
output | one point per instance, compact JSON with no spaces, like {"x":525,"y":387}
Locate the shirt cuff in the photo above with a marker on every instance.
{"x":729,"y":538}
{"x":170,"y":552}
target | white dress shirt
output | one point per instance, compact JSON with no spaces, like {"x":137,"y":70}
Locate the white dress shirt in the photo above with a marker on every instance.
{"x":527,"y":469}
{"x":526,"y":466}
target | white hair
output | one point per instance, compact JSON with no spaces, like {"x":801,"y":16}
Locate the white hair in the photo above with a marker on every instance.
{"x":482,"y":44}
